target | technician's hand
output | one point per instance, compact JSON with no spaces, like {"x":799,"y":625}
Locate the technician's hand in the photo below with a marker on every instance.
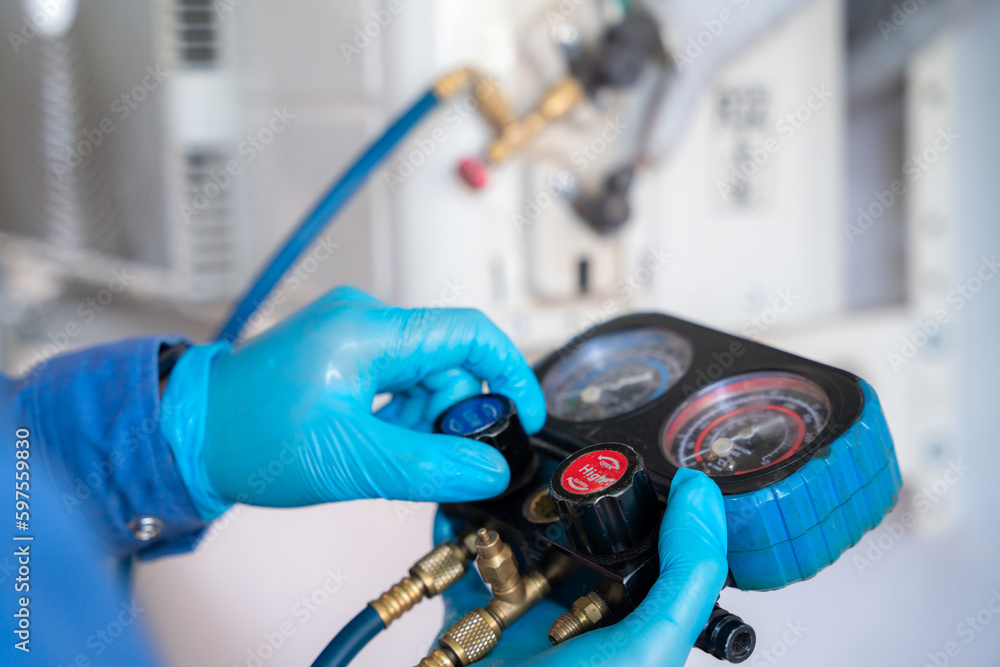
{"x":662,"y":630}
{"x":288,"y":416}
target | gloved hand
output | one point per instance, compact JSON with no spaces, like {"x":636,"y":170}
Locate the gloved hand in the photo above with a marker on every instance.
{"x":662,"y":630}
{"x":286,"y":419}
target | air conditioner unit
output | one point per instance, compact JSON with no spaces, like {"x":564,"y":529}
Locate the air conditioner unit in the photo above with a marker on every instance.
{"x":90,"y":91}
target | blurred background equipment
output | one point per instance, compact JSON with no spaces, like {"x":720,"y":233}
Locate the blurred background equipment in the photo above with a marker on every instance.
{"x":815,"y":174}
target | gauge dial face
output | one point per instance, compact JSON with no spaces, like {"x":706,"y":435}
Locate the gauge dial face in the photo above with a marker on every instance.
{"x":746,"y":423}
{"x":615,"y":373}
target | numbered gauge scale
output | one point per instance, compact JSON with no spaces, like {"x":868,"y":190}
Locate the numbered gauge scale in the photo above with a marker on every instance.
{"x":800,"y":451}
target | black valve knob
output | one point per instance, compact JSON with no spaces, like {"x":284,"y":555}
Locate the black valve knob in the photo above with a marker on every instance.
{"x":492,"y":418}
{"x":608,"y":210}
{"x":604,"y":498}
{"x":727,"y":637}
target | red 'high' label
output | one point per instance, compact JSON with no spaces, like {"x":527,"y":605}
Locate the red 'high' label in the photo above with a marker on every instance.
{"x":594,"y":471}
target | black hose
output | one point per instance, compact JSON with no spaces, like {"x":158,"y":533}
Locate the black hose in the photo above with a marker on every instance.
{"x":351,"y":639}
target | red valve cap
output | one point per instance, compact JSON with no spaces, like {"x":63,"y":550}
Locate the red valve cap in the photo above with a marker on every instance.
{"x":474,"y":172}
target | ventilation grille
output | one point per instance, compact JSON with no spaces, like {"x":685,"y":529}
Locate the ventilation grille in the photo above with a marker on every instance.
{"x":209,"y":215}
{"x":198,"y":33}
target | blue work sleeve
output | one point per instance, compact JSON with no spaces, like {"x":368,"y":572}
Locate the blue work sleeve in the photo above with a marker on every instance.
{"x":96,"y":418}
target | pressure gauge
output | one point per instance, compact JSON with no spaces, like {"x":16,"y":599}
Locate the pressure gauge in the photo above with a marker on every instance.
{"x":615,"y":374}
{"x":746,"y":423}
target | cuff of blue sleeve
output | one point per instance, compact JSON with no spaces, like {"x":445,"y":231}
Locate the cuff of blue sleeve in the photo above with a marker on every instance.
{"x":95,"y":414}
{"x":185,"y":406}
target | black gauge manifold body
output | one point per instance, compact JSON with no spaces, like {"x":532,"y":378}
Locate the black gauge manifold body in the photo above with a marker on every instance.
{"x":800,"y":450}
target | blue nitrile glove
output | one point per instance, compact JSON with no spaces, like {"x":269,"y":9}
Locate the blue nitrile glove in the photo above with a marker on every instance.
{"x":286,"y":419}
{"x":662,"y":630}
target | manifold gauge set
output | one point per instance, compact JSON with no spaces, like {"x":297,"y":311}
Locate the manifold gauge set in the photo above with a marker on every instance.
{"x":800,"y":450}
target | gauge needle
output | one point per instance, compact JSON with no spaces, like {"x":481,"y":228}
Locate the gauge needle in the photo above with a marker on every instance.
{"x":721,"y":447}
{"x":592,"y":393}
{"x":755,"y":429}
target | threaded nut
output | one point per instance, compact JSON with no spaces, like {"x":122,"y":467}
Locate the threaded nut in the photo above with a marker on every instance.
{"x":441,"y":568}
{"x":472,"y":637}
{"x":585,"y":615}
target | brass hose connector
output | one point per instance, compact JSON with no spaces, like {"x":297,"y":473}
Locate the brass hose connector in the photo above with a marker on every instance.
{"x":477,"y":633}
{"x":472,"y":637}
{"x":430,"y":576}
{"x":492,"y":104}
{"x":512,"y":133}
{"x":585,"y":615}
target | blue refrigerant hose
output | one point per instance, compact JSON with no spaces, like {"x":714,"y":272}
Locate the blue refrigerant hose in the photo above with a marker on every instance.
{"x":317,"y":220}
{"x":351,"y":639}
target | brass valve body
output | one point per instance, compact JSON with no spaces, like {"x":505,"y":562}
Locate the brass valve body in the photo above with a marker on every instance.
{"x":557,"y":102}
{"x":477,"y":633}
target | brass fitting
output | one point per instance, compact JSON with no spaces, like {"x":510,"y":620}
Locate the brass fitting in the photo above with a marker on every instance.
{"x":437,"y":658}
{"x":430,"y":576}
{"x":492,"y":103}
{"x":477,"y":633}
{"x":472,"y":637}
{"x":452,"y":82}
{"x":497,"y":565}
{"x":557,"y":102}
{"x":506,"y":611}
{"x":468,"y":640}
{"x":513,"y":595}
{"x":585,"y":615}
